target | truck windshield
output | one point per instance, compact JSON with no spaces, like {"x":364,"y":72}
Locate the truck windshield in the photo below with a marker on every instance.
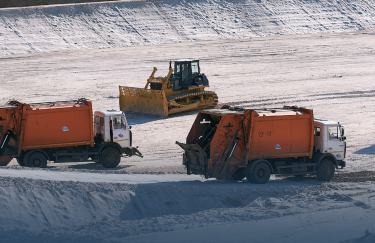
{"x":119,"y":122}
{"x":333,"y":132}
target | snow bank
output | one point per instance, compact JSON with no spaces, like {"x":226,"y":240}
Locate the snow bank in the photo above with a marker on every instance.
{"x":58,"y":211}
{"x":122,"y":24}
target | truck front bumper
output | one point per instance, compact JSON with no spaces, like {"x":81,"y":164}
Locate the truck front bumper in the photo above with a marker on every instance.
{"x":341,"y":163}
{"x":131,"y":151}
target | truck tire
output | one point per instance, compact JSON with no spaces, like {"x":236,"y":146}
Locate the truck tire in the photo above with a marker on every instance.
{"x":37,"y":159}
{"x":110,"y":158}
{"x":260,"y":174}
{"x":326,"y":170}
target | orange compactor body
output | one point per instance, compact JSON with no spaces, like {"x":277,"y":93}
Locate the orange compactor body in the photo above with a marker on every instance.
{"x":58,"y":125}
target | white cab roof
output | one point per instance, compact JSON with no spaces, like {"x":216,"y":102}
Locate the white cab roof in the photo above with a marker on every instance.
{"x":111,"y":113}
{"x":326,"y":122}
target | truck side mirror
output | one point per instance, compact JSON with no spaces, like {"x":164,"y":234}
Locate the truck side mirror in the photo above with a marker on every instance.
{"x":130,"y":127}
{"x":343,"y":138}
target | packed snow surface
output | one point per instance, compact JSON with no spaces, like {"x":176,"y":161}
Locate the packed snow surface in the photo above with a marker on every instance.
{"x":256,"y":54}
{"x":122,"y":24}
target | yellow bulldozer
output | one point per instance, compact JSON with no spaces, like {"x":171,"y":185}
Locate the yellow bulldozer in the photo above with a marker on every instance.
{"x":180,"y":91}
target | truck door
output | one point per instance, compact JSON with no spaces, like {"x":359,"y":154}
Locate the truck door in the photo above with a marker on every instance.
{"x":121,"y":133}
{"x":336,"y":145}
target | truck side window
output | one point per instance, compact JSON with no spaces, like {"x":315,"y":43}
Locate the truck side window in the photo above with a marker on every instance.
{"x":97,"y":119}
{"x":101,"y":121}
{"x":333,"y":132}
{"x":317,"y":131}
{"x":123,"y":123}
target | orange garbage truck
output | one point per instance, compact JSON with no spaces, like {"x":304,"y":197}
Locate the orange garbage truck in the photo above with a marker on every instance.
{"x":63,"y":131}
{"x":255,"y":143}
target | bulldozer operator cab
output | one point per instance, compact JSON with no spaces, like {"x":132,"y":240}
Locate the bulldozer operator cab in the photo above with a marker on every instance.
{"x":186,"y":75}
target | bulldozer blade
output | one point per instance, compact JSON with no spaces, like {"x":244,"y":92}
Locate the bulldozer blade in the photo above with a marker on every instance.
{"x":143,"y":101}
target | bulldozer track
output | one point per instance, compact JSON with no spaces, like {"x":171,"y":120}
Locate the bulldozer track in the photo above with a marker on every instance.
{"x":193,"y":94}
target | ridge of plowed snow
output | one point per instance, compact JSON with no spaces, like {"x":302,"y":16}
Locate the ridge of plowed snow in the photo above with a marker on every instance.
{"x":122,"y":24}
{"x":67,"y":211}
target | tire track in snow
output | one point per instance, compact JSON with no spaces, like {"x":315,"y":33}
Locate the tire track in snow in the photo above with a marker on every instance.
{"x":309,"y":98}
{"x":131,"y":26}
{"x":18,"y":33}
{"x":314,"y":18}
{"x":352,"y":94}
{"x":232,"y":10}
{"x":266,"y":16}
{"x":276,"y":19}
{"x":351,"y":20}
{"x":246,"y":21}
{"x":92,"y":27}
{"x":41,"y":210}
{"x":366,"y":2}
{"x":47,"y":21}
{"x":203,"y":19}
{"x":167,"y":19}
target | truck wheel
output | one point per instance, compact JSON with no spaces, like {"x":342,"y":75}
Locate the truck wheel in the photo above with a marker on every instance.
{"x":261,"y":173}
{"x":37,"y":159}
{"x":110,"y":158}
{"x":326,"y":170}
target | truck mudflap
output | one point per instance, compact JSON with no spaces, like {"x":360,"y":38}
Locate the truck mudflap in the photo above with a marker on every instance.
{"x":143,"y":101}
{"x":4,"y":160}
{"x":131,"y":151}
{"x":195,"y":159}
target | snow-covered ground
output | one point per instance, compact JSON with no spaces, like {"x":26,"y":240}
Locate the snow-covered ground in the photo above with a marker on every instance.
{"x":316,"y":54}
{"x":122,"y":24}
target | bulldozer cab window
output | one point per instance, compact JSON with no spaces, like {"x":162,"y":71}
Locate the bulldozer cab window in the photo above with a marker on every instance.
{"x":185,"y":73}
{"x":194,"y":68}
{"x":177,"y":70}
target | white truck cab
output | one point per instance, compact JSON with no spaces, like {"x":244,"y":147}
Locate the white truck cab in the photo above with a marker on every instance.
{"x":113,"y":137}
{"x":113,"y":127}
{"x":329,"y":138}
